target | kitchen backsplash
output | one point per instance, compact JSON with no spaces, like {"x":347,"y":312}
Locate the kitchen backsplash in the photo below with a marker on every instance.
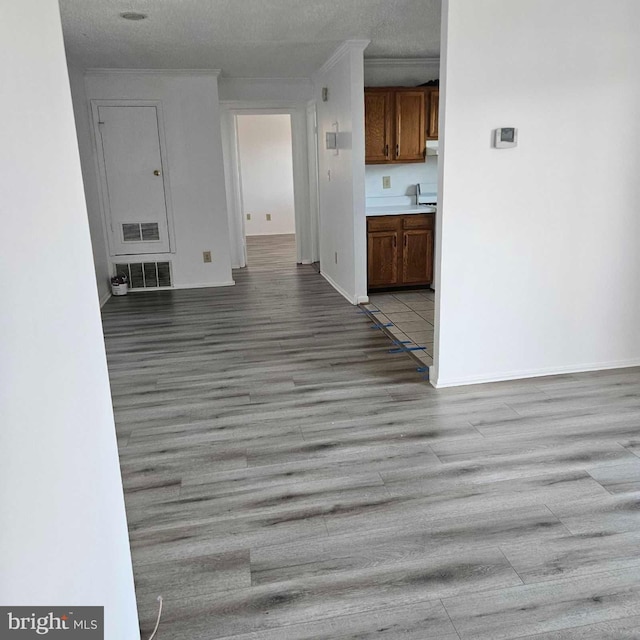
{"x":404,"y":178}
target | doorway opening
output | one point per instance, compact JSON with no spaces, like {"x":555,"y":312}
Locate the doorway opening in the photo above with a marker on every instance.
{"x":267,"y":203}
{"x":301,"y":163}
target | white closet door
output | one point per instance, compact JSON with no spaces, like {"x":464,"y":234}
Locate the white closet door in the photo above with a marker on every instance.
{"x":133,"y":179}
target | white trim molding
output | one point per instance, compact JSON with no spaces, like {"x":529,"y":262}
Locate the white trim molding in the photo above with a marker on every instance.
{"x":259,"y":81}
{"x":229,"y":110}
{"x":532,"y":373}
{"x":340,"y":290}
{"x":346,"y":47}
{"x":156,"y":72}
{"x":202,"y":285}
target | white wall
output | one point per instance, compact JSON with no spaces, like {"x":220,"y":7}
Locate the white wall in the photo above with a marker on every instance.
{"x":540,"y":244}
{"x":196,"y":172}
{"x":282,"y":90}
{"x":404,"y":177}
{"x":64,"y":534}
{"x":342,"y":196}
{"x":400,"y":73}
{"x":90,"y":180}
{"x":266,"y":169}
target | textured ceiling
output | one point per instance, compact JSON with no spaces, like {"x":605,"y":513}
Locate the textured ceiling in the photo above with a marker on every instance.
{"x":245,"y":38}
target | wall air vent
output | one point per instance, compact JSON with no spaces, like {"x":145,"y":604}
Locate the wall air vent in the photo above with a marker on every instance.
{"x":140,"y":232}
{"x":146,"y":275}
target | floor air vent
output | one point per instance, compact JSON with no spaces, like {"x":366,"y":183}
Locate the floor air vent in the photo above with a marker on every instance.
{"x":146,"y":275}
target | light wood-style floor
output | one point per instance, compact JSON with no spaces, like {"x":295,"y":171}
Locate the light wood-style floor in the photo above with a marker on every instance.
{"x":288,"y":478}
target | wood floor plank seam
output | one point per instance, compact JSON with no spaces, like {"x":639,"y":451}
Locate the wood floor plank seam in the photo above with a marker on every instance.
{"x":578,"y":628}
{"x":450,"y":620}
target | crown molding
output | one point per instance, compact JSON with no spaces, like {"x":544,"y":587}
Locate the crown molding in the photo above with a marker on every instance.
{"x":154,"y":72}
{"x":346,"y":47}
{"x":296,"y":80}
{"x":401,"y":62}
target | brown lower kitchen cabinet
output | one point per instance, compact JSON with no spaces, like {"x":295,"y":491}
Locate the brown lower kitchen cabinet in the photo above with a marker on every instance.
{"x":400,"y":250}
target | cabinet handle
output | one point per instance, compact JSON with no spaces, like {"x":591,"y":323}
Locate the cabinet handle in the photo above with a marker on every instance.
{"x":405,"y":239}
{"x":395,"y":241}
{"x":386,"y":150}
{"x":397,"y":150}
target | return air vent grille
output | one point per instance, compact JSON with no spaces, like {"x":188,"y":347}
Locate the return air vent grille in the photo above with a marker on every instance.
{"x":140,"y":232}
{"x":146,"y":275}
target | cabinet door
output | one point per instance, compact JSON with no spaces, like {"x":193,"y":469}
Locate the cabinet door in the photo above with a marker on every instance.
{"x":434,"y":110}
{"x":382,"y":258}
{"x":377,"y":124}
{"x":410,"y":126}
{"x":417,"y":256}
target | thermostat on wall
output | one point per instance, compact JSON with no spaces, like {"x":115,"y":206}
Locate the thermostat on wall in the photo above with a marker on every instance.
{"x":506,"y":138}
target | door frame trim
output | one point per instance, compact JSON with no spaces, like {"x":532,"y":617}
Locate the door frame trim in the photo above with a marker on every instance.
{"x":298,"y":113}
{"x":102,"y":174}
{"x":314,"y":187}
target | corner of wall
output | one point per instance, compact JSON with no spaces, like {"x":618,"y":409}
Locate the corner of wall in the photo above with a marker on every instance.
{"x":342,"y":174}
{"x":89,"y":179}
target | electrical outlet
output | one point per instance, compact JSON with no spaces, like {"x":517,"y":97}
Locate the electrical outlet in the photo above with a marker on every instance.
{"x":336,"y":257}
{"x":248,"y":216}
{"x":268,"y":217}
{"x":386,"y":182}
{"x":206,"y":256}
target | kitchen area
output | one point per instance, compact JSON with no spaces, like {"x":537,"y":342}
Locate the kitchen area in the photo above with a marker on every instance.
{"x":401,"y":133}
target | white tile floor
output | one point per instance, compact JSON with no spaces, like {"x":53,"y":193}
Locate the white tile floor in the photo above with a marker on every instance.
{"x":410,"y":316}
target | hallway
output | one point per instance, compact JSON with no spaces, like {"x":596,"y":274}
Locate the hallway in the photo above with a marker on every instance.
{"x":287,"y":478}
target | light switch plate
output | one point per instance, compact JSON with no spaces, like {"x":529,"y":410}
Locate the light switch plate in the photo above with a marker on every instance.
{"x":248,"y":216}
{"x":206,"y":256}
{"x":268,"y":217}
{"x":386,"y":182}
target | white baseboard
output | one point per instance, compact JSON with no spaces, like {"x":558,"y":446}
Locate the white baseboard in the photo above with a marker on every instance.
{"x":362,"y":299}
{"x":104,"y":299}
{"x":205,"y":285}
{"x":534,"y":373}
{"x":305,"y":261}
{"x":338,"y":288}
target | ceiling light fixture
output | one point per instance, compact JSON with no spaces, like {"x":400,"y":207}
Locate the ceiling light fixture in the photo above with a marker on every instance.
{"x":132,"y":15}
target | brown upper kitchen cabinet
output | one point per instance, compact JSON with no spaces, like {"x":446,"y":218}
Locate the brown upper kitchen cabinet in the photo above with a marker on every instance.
{"x":410,"y":126}
{"x":398,"y":121}
{"x":378,"y":123}
{"x":434,"y":112}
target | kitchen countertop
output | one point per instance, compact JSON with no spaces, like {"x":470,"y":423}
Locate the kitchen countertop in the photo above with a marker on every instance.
{"x":399,"y":210}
